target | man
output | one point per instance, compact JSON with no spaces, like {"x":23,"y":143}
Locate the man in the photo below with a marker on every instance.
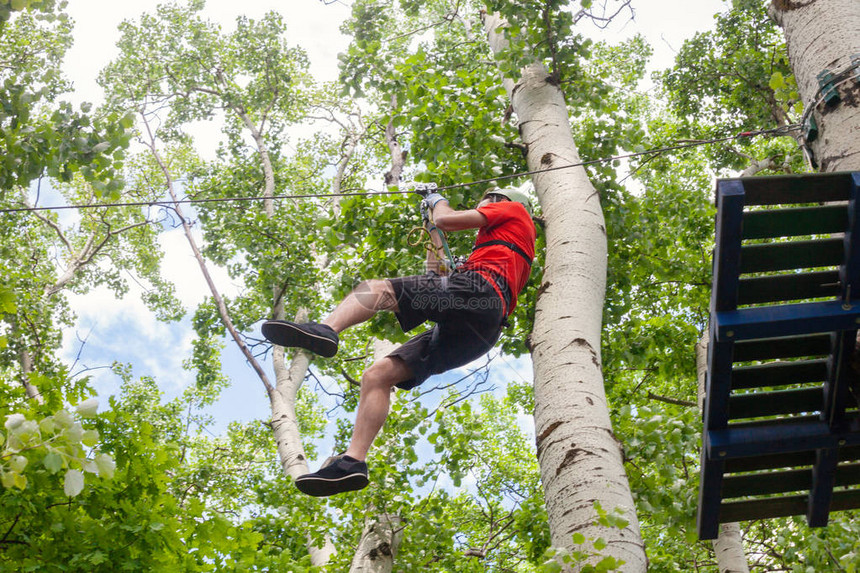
{"x":469,"y":307}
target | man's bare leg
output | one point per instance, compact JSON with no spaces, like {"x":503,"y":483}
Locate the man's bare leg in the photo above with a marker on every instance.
{"x":376,"y":385}
{"x":361,"y":304}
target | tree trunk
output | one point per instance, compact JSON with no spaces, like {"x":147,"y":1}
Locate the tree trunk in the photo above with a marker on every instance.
{"x":26,"y":361}
{"x":728,"y":546}
{"x":580,"y":458}
{"x":380,"y":541}
{"x":822,"y":36}
{"x":288,"y":380}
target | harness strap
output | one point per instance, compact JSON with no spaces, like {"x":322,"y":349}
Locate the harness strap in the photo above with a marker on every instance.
{"x":503,"y":287}
{"x":511,"y":246}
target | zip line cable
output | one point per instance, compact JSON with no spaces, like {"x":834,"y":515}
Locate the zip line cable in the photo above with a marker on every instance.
{"x":365,"y":193}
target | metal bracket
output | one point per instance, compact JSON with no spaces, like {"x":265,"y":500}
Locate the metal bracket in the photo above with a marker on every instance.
{"x":829,"y":93}
{"x":810,"y":129}
{"x":423,"y":188}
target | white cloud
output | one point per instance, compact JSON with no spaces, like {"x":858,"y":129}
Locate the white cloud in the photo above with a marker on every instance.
{"x":123,"y":330}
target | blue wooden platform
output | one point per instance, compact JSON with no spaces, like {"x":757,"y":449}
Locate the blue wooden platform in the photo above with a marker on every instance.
{"x":781,"y":422}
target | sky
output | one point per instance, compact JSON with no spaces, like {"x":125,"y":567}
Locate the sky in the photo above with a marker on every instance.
{"x":124,"y":330}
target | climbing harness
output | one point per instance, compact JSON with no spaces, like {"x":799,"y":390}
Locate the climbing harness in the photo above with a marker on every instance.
{"x":507,"y":244}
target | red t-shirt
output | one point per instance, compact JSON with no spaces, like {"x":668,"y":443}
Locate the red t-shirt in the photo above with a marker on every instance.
{"x":506,"y":221}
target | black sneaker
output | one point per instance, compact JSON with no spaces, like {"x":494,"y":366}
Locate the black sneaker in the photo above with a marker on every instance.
{"x":320,"y":339}
{"x":338,"y":474}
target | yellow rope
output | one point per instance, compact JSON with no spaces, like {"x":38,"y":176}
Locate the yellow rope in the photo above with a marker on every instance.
{"x":425,"y":239}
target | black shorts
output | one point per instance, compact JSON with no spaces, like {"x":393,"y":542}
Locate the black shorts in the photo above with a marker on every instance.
{"x":468,"y":314}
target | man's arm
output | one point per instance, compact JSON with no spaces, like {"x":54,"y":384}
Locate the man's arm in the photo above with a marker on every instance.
{"x":447,"y":219}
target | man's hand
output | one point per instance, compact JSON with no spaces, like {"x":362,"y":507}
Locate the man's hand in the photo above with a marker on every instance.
{"x":433,"y":198}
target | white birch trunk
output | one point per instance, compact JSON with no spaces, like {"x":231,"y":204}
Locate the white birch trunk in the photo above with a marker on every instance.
{"x":26,"y":361}
{"x":580,"y":459}
{"x":824,"y":35}
{"x":379,"y":543}
{"x":729,"y":549}
{"x":395,"y":150}
{"x":382,"y":533}
{"x":729,"y":545}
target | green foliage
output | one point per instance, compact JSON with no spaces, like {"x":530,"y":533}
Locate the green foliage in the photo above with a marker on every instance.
{"x":460,"y":470}
{"x":57,"y":442}
{"x":178,"y":56}
{"x":40,"y":134}
{"x":742,"y":82}
{"x":169,"y":506}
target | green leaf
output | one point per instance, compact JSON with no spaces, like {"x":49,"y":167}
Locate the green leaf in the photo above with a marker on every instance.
{"x":90,"y":438}
{"x":7,"y":479}
{"x":53,"y":462}
{"x":18,"y":463}
{"x":106,"y":466}
{"x":608,"y":563}
{"x":14,"y":421}
{"x":73,"y":483}
{"x":63,"y":418}
{"x":101,"y":147}
{"x":7,"y":301}
{"x":97,"y":558}
{"x":88,"y":407}
{"x":20,"y":481}
{"x":47,"y":426}
{"x":75,"y":433}
{"x":777,"y":81}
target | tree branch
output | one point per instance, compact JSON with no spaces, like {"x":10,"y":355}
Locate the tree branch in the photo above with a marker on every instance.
{"x":668,"y":400}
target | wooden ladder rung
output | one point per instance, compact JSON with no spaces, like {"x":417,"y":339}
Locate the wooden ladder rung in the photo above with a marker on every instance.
{"x":779,"y":374}
{"x":794,"y":189}
{"x":787,"y":347}
{"x":767,"y":483}
{"x":788,"y":287}
{"x":782,"y":506}
{"x":784,"y":482}
{"x":763,"y":508}
{"x":786,"y":460}
{"x":772,"y":257}
{"x":781,"y":402}
{"x":794,"y":222}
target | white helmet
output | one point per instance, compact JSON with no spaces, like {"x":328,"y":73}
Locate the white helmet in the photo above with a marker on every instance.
{"x":516,"y":194}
